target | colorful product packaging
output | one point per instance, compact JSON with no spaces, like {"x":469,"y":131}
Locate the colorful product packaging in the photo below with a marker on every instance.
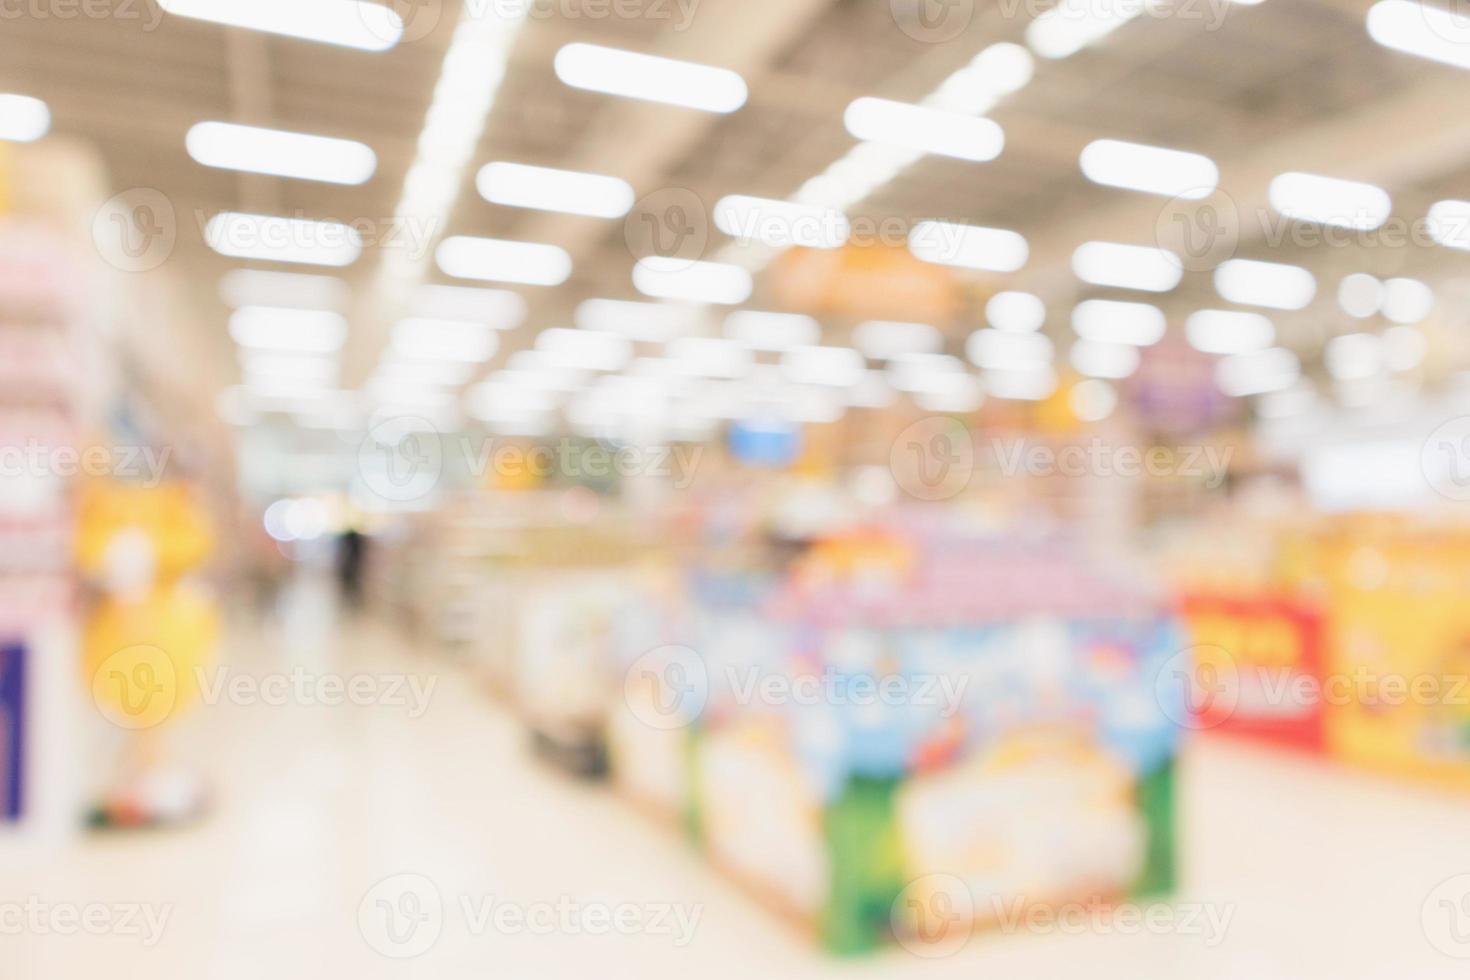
{"x":12,"y":731}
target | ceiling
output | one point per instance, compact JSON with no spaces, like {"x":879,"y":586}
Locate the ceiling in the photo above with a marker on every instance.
{"x":1263,"y":89}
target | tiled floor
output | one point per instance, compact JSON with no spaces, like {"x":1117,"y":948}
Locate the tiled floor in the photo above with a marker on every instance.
{"x":1322,"y":873}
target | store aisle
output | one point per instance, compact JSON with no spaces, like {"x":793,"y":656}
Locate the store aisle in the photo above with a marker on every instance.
{"x":1305,"y":869}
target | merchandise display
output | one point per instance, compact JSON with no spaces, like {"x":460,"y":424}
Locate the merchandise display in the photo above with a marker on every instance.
{"x":854,"y":729}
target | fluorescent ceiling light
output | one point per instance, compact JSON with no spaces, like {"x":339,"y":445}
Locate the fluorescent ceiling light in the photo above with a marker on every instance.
{"x":968,"y":246}
{"x":1032,"y":385}
{"x":1151,"y":169}
{"x":584,"y":350}
{"x":1421,"y":29}
{"x":710,"y":357}
{"x":1015,"y":312}
{"x":995,"y":72}
{"x":780,"y":224}
{"x":1330,"y":201}
{"x":1116,"y":322}
{"x":696,"y":282}
{"x":1003,"y":351}
{"x":365,"y":25}
{"x":280,"y":153}
{"x":1354,"y":356}
{"x":1360,"y":295}
{"x":449,"y":340}
{"x":1153,"y":270}
{"x":22,"y":118}
{"x":498,"y":260}
{"x":871,"y":391}
{"x":499,"y":309}
{"x":653,"y":322}
{"x":1256,"y":373}
{"x":921,"y":372}
{"x":1093,"y":401}
{"x":1072,"y":25}
{"x":546,"y":189}
{"x":1407,"y":300}
{"x":951,"y":393}
{"x":884,"y":339}
{"x":1404,"y":347}
{"x":1270,"y":284}
{"x":1098,"y":359}
{"x":268,"y":238}
{"x":256,"y":287}
{"x":289,"y":367}
{"x":283,"y":329}
{"x":430,"y":373}
{"x":644,"y":76}
{"x":1228,"y":331}
{"x":916,"y":127}
{"x":760,"y":330}
{"x":814,"y":365}
{"x":1449,"y":223}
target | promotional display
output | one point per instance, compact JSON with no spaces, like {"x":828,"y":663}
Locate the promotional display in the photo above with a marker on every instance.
{"x":889,"y":713}
{"x":12,"y":731}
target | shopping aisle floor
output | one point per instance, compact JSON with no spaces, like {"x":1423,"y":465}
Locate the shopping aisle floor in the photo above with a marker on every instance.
{"x":1322,"y":873}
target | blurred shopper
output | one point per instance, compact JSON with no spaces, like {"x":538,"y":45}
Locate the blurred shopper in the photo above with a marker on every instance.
{"x":351,"y":553}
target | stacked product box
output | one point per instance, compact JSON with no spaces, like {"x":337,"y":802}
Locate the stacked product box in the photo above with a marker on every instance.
{"x":890,"y":721}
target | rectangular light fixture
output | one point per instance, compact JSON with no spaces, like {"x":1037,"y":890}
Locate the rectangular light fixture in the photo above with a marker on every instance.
{"x":710,"y":357}
{"x":280,"y":153}
{"x":1228,"y":331}
{"x":518,"y":185}
{"x":257,"y":365}
{"x":1448,"y":223}
{"x":995,"y":72}
{"x":499,"y":309}
{"x":999,"y":350}
{"x":781,"y":224}
{"x":1270,"y":284}
{"x":584,"y":350}
{"x":257,"y":287}
{"x":497,"y":260}
{"x":432,"y":373}
{"x":283,"y":329}
{"x":1258,"y":372}
{"x":1151,"y":169}
{"x":1113,"y":321}
{"x":644,"y":76}
{"x":761,"y":330}
{"x":815,"y":365}
{"x":916,"y":127}
{"x":269,"y":238}
{"x":1153,"y":270}
{"x":1330,"y":201}
{"x":422,"y":338}
{"x":886,"y":339}
{"x":694,"y":282}
{"x":1422,"y":29}
{"x":1032,"y":385}
{"x":349,"y":23}
{"x":1099,"y":359}
{"x":1016,"y":312}
{"x":1073,"y":25}
{"x":22,"y":118}
{"x":968,"y":246}
{"x":653,"y":322}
